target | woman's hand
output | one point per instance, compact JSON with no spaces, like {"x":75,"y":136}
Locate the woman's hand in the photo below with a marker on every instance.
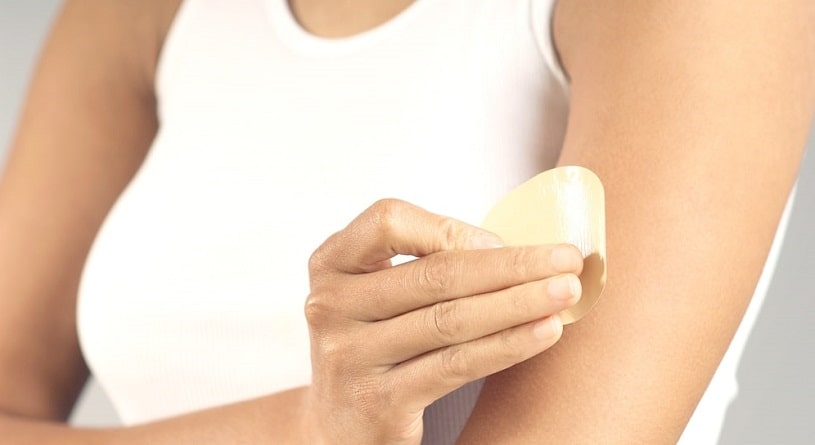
{"x":388,"y":340}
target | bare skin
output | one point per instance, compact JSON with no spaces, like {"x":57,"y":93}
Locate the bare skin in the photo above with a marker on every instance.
{"x":696,"y":122}
{"x":688,"y":124}
{"x":89,"y":121}
{"x":87,"y":125}
{"x":333,"y":19}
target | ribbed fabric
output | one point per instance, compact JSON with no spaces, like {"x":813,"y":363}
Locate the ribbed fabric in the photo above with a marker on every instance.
{"x":445,"y":419}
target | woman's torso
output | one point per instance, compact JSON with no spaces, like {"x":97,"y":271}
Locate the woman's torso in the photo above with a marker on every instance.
{"x":272,"y":139}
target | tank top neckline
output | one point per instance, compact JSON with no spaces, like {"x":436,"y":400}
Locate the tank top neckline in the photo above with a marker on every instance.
{"x":298,"y":39}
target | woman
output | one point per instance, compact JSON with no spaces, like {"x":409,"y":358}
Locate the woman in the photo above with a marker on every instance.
{"x":280,"y":121}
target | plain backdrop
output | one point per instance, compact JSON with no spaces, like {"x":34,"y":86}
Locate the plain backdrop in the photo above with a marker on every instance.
{"x":776,"y":403}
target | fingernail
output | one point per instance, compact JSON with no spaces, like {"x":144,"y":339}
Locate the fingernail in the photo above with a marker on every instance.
{"x":565,"y":258}
{"x":548,"y":328}
{"x":485,"y":241}
{"x":564,"y":287}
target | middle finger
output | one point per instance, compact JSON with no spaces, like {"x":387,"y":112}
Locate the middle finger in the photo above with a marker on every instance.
{"x":469,"y":318}
{"x":449,"y":275}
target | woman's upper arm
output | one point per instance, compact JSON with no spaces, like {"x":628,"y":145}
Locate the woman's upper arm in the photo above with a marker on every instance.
{"x":87,"y":124}
{"x":695,"y":116}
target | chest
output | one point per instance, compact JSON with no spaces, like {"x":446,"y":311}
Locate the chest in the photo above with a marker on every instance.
{"x":330,"y":18}
{"x":269,"y":143}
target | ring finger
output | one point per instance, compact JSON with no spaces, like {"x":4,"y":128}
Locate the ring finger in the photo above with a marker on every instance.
{"x":464,"y":319}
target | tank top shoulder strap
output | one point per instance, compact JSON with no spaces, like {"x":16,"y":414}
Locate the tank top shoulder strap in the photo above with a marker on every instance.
{"x":542,"y":16}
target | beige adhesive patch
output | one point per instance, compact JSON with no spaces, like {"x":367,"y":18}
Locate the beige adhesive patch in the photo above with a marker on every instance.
{"x":562,"y":205}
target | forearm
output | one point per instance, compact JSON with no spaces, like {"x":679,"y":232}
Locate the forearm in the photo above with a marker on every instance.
{"x":272,"y":419}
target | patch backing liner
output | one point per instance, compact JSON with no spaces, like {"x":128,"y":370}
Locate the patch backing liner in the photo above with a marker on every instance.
{"x":561,"y":205}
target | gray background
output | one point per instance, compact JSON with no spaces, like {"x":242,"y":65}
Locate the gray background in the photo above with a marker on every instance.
{"x":776,"y":403}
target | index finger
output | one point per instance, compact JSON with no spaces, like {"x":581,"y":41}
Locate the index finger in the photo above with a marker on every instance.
{"x":391,"y":227}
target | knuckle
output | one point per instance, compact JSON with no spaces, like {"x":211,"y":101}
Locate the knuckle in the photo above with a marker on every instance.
{"x":447,"y":321}
{"x":438,"y":272}
{"x":385,"y":205}
{"x":512,"y":349}
{"x":334,"y":354}
{"x":519,"y":260}
{"x":385,"y":214}
{"x":319,"y":262}
{"x":522,"y":298}
{"x":316,"y":260}
{"x":450,"y":231}
{"x":317,"y":308}
{"x":454,"y":365}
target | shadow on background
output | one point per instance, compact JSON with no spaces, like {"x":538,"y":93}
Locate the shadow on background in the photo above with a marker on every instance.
{"x":776,"y":402}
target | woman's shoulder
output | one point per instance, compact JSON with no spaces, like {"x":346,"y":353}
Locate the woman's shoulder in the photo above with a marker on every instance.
{"x":148,"y":25}
{"x":129,"y":34}
{"x":160,"y":15}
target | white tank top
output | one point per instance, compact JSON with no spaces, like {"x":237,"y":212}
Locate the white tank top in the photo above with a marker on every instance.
{"x":271,"y":139}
